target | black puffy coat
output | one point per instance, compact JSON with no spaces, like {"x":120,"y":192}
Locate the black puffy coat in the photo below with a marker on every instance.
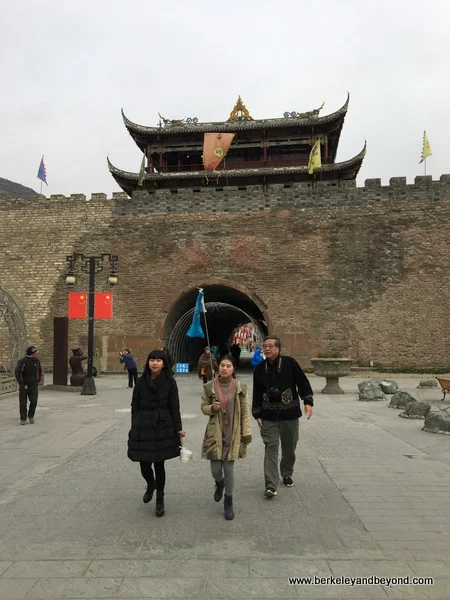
{"x":155,"y":420}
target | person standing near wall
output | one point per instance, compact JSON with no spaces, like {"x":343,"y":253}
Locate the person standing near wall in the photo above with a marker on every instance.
{"x":128,"y":360}
{"x":170,"y":359}
{"x":236,"y":352}
{"x":28,"y":375}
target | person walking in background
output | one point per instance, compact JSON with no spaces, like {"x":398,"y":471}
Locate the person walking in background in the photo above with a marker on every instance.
{"x":257,"y":357}
{"x":277,"y":384}
{"x":205,"y":370}
{"x":170,"y":360}
{"x":236,"y":353}
{"x":127,"y":359}
{"x":155,"y":425}
{"x":28,"y":375}
{"x":228,"y":433}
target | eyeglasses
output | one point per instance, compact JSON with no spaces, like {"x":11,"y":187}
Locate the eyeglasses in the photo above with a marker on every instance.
{"x":268,"y":346}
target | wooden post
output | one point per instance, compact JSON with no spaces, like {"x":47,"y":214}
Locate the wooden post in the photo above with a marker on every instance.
{"x":264,"y":148}
{"x":60,"y":350}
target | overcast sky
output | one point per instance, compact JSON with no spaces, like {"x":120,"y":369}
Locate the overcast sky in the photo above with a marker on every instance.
{"x":67,"y":68}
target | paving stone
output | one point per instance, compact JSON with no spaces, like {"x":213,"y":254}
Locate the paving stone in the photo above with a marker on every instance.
{"x":47,"y":569}
{"x":75,"y":587}
{"x":362,"y":568}
{"x":284,"y":568}
{"x":249,"y":588}
{"x":10,"y":589}
{"x":415,"y":592}
{"x":370,"y":492}
{"x":172,"y":587}
{"x":4,"y":565}
{"x":127,"y":568}
{"x":431,"y":568}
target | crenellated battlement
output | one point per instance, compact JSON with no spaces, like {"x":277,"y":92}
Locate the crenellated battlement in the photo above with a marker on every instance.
{"x":252,"y":197}
{"x":365,"y":268}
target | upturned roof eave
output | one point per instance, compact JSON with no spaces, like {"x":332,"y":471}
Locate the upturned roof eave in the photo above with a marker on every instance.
{"x":234,"y":126}
{"x":351,"y":164}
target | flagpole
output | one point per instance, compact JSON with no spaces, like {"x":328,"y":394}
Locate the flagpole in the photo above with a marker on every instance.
{"x":207,"y":339}
{"x":41,"y":187}
{"x":425,"y":165}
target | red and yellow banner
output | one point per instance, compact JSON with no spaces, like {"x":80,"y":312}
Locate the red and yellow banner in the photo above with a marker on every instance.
{"x":103,"y":308}
{"x":77,"y":305}
{"x":215,"y":148}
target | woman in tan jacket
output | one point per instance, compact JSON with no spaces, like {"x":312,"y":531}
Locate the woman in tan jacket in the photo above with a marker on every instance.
{"x":228,"y":433}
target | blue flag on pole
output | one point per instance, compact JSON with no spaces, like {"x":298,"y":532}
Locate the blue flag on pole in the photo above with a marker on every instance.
{"x":195,"y":330}
{"x":42,"y":173}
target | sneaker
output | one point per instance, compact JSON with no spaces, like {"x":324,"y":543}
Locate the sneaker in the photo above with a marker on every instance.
{"x":31,"y":419}
{"x":270,"y":492}
{"x":23,"y":422}
{"x":287,"y":481}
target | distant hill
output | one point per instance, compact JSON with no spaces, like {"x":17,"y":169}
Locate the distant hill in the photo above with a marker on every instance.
{"x":14,"y":190}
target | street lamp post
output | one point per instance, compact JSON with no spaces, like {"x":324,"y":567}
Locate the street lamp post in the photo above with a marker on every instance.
{"x":92,"y":265}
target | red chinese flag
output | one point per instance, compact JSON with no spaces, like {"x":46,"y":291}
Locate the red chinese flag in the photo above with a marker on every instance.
{"x":77,"y":305}
{"x":103,"y":305}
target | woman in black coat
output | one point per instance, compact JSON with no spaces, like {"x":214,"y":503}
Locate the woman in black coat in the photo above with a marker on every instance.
{"x":155,"y":425}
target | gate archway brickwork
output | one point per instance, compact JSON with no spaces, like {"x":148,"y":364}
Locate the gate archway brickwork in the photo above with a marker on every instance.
{"x":362,"y":271}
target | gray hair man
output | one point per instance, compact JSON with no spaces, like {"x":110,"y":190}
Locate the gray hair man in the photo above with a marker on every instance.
{"x":278,"y":384}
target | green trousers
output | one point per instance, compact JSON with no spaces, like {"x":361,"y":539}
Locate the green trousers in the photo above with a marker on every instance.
{"x":272,"y":433}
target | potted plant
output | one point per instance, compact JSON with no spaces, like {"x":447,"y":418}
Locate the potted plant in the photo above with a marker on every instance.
{"x":331,"y":366}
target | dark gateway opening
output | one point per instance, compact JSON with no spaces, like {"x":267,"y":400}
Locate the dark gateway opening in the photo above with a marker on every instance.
{"x":226,"y":307}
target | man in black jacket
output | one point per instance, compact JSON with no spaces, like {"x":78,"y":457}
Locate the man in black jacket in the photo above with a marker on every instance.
{"x":277,"y":384}
{"x":28,"y":374}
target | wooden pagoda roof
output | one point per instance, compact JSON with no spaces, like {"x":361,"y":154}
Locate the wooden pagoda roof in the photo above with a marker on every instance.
{"x":144,"y":135}
{"x":270,"y":175}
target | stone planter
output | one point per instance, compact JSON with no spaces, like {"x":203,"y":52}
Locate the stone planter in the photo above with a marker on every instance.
{"x":332,"y":369}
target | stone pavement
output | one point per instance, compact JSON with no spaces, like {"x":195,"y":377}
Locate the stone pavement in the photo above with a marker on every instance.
{"x":372,"y":497}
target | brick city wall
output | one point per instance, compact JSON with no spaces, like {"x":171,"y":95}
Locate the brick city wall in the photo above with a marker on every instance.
{"x":365,"y":271}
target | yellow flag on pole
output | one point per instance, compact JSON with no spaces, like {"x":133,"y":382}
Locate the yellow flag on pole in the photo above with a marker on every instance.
{"x":315,"y":161}
{"x":426,"y":150}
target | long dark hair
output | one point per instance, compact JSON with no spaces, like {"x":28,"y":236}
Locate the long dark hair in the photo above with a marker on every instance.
{"x":166,"y":370}
{"x":232,"y":360}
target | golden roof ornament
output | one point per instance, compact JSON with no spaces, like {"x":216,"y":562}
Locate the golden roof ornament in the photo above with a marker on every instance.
{"x":240,"y":112}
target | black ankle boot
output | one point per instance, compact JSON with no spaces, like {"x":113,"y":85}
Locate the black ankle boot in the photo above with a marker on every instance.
{"x":159,"y":512}
{"x":218,"y":492}
{"x":148,"y":494}
{"x":228,"y":508}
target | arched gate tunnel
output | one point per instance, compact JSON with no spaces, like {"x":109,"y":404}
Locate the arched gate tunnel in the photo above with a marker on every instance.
{"x":226,"y":309}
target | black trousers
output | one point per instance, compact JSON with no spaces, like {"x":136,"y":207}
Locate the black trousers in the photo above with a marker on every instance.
{"x":160,"y":475}
{"x":132,"y":376}
{"x":28,"y":393}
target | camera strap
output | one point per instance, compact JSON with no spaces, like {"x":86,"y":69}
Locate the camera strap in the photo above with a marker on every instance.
{"x":278,"y":371}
